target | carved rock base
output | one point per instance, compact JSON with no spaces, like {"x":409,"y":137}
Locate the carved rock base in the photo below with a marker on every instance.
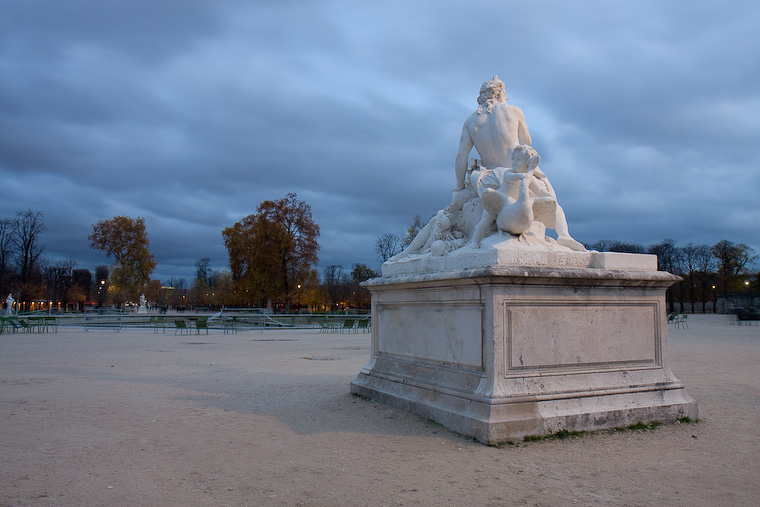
{"x":503,"y":353}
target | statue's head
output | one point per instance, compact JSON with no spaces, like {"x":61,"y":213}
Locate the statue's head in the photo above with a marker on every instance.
{"x":492,"y":90}
{"x":524,"y":157}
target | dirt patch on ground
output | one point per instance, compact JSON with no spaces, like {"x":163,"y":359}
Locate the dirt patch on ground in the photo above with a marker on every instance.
{"x":136,"y":418}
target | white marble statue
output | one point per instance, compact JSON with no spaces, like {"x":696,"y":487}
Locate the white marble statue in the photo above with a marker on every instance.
{"x":442,"y":234}
{"x":524,"y":196}
{"x":512,"y":213}
{"x":504,"y":186}
{"x":9,"y":303}
{"x":142,"y":309}
{"x":495,"y":129}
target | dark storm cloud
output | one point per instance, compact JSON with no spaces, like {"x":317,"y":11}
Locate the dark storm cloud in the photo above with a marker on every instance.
{"x":190,"y":114}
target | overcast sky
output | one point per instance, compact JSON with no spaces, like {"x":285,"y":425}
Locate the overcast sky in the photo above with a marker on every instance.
{"x":190,"y":113}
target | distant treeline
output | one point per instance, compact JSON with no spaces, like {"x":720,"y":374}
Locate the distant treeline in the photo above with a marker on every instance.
{"x":709,"y":272}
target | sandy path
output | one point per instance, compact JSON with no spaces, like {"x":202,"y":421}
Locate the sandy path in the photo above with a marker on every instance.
{"x":138,"y":419}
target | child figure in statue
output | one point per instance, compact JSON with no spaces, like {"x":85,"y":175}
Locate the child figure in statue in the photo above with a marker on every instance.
{"x":524,"y":196}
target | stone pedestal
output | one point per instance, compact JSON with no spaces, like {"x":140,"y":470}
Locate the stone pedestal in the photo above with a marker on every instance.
{"x":499,"y":353}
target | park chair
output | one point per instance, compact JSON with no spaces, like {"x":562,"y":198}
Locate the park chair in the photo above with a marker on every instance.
{"x":159,"y":323}
{"x":672,"y":318}
{"x":181,"y":326}
{"x":348,"y":325}
{"x":51,"y":323}
{"x":20,"y":324}
{"x":201,"y":323}
{"x":329,"y":326}
{"x":7,"y":324}
{"x":37,"y":324}
{"x":681,"y":321}
{"x":230,"y":325}
{"x":362,"y":325}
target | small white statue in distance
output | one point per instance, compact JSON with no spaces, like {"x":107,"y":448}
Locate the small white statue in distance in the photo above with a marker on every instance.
{"x":9,"y":303}
{"x":142,"y":308}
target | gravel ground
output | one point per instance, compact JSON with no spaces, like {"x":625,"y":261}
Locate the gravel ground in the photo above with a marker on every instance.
{"x":142,"y":419}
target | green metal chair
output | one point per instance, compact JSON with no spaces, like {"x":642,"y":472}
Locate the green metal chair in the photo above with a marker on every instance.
{"x":51,"y":323}
{"x":37,"y":324}
{"x":201,"y":323}
{"x":21,"y":324}
{"x":362,"y":325}
{"x":230,"y":325}
{"x":159,"y":323}
{"x":181,"y":326}
{"x":348,"y":326}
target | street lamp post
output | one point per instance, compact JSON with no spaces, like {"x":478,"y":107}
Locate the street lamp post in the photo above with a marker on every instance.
{"x":748,"y":283}
{"x":715,"y":300}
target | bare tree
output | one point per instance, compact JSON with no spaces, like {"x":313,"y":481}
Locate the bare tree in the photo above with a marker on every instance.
{"x":610,"y":245}
{"x":28,"y":227}
{"x":59,"y":279}
{"x":336,"y":284}
{"x":690,"y":254}
{"x":705,"y":263}
{"x":203,"y":271}
{"x":669,"y":259}
{"x":668,"y":256}
{"x":387,"y":246}
{"x":413,"y":230}
{"x":81,"y":289}
{"x":732,"y":258}
{"x":7,"y":232}
{"x":359,"y":295}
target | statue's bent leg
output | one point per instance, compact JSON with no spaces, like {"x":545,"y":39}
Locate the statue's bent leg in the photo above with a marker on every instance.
{"x":481,"y":229}
{"x":460,"y":197}
{"x":563,"y":234}
{"x":417,"y":243}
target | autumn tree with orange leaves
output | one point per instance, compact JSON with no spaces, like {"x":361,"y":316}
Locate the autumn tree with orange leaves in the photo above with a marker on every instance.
{"x":127,"y":241}
{"x":273,"y":251}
